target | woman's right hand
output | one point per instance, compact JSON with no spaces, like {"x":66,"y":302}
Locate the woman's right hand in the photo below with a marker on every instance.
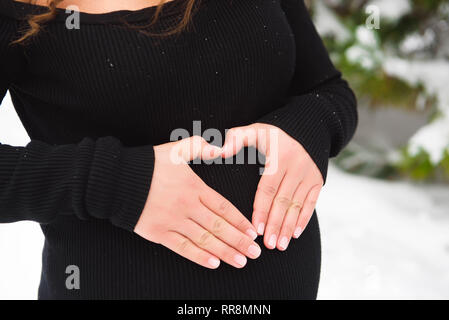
{"x":187,"y":216}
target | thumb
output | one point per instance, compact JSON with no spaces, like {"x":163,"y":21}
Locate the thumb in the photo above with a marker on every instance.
{"x":238,"y":138}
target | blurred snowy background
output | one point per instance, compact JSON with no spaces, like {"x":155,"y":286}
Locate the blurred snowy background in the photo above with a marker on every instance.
{"x":384,"y":211}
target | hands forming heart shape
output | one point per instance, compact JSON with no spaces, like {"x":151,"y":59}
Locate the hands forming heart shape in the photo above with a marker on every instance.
{"x":188,"y":217}
{"x":289,"y":187}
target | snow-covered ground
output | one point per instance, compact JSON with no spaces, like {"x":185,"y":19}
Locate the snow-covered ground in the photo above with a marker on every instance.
{"x":381,"y":240}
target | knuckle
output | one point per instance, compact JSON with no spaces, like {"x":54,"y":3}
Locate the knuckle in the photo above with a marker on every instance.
{"x":242,"y":223}
{"x":241,"y":243}
{"x":182,"y":246}
{"x":275,"y":225}
{"x":318,"y":185}
{"x":283,"y":201}
{"x":204,"y":238}
{"x":268,"y":190}
{"x":218,"y":226}
{"x":296,"y":205}
{"x":223,"y":207}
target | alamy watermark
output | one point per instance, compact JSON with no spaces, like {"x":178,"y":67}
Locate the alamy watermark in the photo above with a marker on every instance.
{"x":373,"y":19}
{"x":263,"y":146}
{"x":72,"y":282}
{"x":73,"y":20}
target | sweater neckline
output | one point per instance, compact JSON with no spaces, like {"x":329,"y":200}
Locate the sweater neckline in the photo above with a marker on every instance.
{"x":22,"y":9}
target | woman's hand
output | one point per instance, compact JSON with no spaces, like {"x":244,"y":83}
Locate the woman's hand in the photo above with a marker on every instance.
{"x":289,"y":187}
{"x":185,"y":215}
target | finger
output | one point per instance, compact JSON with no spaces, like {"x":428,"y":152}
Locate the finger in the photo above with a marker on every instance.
{"x":266,"y":191}
{"x":291,"y":218}
{"x":300,"y":198}
{"x":184,"y":247}
{"x":194,"y":147}
{"x":221,"y":206}
{"x":227,"y":233}
{"x":237,"y":138}
{"x":279,"y":208}
{"x":308,"y":208}
{"x":206,"y":240}
{"x":256,"y":135}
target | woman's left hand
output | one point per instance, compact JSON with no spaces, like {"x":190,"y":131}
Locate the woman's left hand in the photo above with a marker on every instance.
{"x":289,"y":187}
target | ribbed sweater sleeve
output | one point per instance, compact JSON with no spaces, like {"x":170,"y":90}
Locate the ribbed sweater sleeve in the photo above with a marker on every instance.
{"x":98,"y":178}
{"x":321,"y":111}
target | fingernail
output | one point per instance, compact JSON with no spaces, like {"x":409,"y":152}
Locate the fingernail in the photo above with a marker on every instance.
{"x":261,"y":228}
{"x":214,"y":262}
{"x":251,"y":233}
{"x":283,"y":243}
{"x":272,"y":241}
{"x":297,"y":232}
{"x":240,"y":259}
{"x":254,"y":251}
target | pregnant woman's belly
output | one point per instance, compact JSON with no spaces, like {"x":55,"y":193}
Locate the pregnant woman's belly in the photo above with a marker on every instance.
{"x":114,"y":263}
{"x":225,"y":74}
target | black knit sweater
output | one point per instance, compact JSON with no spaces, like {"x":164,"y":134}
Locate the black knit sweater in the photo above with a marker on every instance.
{"x":95,"y":101}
